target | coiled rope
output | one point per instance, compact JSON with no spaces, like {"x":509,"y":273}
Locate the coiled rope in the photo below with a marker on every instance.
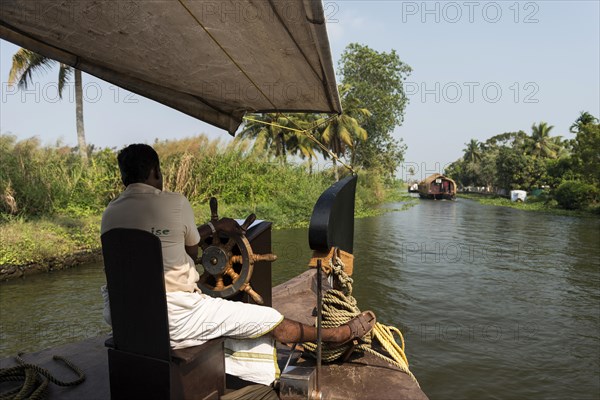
{"x":35,"y":379}
{"x":339,"y":307}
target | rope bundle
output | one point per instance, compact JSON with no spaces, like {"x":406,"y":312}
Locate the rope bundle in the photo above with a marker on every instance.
{"x":339,"y":307}
{"x":35,"y":379}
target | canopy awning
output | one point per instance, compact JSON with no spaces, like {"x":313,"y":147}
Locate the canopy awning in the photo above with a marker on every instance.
{"x":214,"y":60}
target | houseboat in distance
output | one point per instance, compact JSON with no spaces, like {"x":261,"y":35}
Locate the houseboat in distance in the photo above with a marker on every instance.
{"x":437,"y":186}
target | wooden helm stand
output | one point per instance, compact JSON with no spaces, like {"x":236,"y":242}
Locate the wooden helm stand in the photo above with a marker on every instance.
{"x":228,"y":261}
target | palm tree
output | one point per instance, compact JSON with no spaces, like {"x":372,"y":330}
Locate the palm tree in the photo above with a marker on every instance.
{"x":270,"y":136}
{"x":271,"y":131}
{"x":472,"y":151}
{"x":25,"y":62}
{"x":306,"y":149}
{"x":300,"y":143}
{"x":542,"y":144}
{"x":584,"y":119}
{"x":344,"y":131}
{"x":562,"y":147}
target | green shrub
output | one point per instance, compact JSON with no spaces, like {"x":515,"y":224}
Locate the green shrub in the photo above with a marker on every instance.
{"x":38,"y":181}
{"x":51,"y":204}
{"x":576,"y":195}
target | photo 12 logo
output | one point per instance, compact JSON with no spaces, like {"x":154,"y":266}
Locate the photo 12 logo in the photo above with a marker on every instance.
{"x":471,"y":92}
{"x":92,"y":92}
{"x":453,"y":12}
{"x":417,"y":171}
{"x":237,"y":11}
{"x":82,"y":12}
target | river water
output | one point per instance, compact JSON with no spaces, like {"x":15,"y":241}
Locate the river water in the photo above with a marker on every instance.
{"x":495,"y":303}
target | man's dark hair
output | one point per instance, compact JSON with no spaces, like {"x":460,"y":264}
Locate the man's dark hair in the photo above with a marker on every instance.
{"x":136,"y":161}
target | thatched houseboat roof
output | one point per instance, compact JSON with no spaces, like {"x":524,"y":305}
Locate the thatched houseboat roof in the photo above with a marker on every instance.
{"x":433,"y":177}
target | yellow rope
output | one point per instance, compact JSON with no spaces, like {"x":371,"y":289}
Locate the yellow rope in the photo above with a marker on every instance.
{"x":339,"y":307}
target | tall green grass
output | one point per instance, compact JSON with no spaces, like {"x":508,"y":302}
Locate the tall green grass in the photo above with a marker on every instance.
{"x":45,"y":191}
{"x":38,"y":180}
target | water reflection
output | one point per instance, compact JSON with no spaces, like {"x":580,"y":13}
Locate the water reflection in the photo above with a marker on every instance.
{"x":494,"y":302}
{"x":51,"y":309}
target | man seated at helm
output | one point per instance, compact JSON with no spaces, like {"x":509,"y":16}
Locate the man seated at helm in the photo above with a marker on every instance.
{"x":194,"y":317}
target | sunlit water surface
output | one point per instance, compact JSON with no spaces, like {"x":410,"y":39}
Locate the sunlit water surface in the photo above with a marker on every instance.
{"x":495,"y":303}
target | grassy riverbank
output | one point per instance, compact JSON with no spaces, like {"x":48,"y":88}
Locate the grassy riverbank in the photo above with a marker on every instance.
{"x":51,"y":205}
{"x":532,"y":204}
{"x":61,"y":241}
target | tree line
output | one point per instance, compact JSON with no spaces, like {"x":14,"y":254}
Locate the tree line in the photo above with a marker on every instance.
{"x":567,"y":169}
{"x":371,"y":92}
{"x":373,"y":100}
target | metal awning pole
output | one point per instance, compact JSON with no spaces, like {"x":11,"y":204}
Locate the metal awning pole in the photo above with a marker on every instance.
{"x":319,"y":328}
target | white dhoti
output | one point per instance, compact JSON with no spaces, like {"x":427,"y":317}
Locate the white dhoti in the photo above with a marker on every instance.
{"x":250,"y":355}
{"x":195,"y":318}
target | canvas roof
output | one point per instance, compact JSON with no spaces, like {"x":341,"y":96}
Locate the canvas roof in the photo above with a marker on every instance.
{"x":214,"y":60}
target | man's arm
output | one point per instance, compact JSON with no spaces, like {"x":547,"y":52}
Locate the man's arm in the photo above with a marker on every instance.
{"x":192,"y":251}
{"x":204,"y":231}
{"x":226,"y":225}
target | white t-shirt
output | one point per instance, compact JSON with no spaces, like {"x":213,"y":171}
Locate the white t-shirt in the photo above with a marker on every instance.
{"x":167,"y":215}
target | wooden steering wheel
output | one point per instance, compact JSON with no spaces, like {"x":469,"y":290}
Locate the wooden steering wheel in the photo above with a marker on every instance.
{"x":228,"y":261}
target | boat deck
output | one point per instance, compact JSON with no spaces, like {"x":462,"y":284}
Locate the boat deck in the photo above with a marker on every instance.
{"x":361,"y":377}
{"x":90,"y":355}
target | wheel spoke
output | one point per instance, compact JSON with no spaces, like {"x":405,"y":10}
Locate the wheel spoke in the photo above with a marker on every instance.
{"x":219,"y":285}
{"x":230,"y":244}
{"x":264,"y":257}
{"x":234,"y":275}
{"x":236,"y":259}
{"x":255,"y":296}
{"x":216,"y":240}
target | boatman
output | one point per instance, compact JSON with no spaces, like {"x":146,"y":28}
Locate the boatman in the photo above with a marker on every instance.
{"x":194,"y":317}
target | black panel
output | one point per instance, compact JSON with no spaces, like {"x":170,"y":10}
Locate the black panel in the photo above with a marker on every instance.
{"x":332,"y":221}
{"x":138,"y":377}
{"x":136,"y":288}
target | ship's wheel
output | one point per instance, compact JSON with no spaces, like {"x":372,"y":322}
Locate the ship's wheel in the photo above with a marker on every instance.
{"x":228,"y":261}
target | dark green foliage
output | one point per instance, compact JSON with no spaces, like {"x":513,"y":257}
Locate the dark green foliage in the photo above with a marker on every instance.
{"x":561,"y":169}
{"x":576,"y":195}
{"x":515,"y":170}
{"x":51,"y":203}
{"x":377,"y":79}
{"x":586,"y":152}
{"x":40,"y":180}
{"x":515,"y":160}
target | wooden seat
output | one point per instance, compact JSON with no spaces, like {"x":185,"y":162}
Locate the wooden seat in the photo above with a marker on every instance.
{"x":141,"y":362}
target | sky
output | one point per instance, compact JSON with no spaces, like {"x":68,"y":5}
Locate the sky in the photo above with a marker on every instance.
{"x":479,"y":69}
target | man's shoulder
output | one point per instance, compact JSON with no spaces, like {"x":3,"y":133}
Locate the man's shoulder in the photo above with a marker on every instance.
{"x":172,"y":196}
